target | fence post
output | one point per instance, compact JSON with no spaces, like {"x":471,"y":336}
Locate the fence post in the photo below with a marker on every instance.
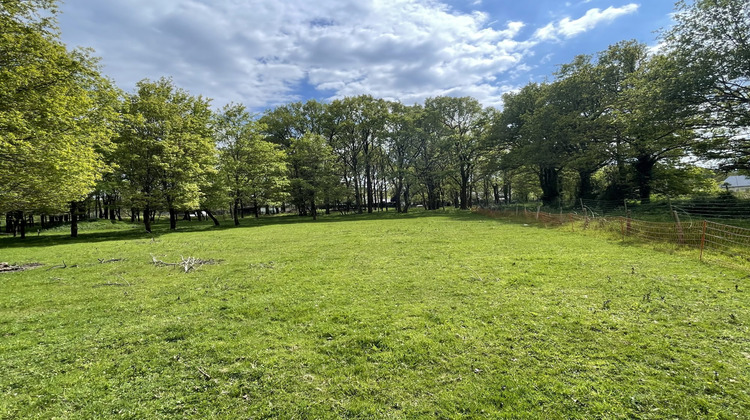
{"x":703,"y":239}
{"x":678,"y":227}
{"x":537,"y":212}
{"x":627,"y":223}
{"x":572,"y":225}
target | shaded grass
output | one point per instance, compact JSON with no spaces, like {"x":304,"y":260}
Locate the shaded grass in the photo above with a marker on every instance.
{"x":422,"y":315}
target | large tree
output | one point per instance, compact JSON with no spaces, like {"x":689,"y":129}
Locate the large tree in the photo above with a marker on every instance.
{"x":56,"y":113}
{"x":464,"y":127}
{"x":654,"y":111}
{"x":165,"y":148}
{"x":316,"y":169}
{"x":401,"y":150}
{"x":252,"y":169}
{"x":711,"y":39}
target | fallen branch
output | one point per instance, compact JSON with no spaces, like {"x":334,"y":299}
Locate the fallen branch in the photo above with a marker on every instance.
{"x":203,"y":372}
{"x":160,"y":263}
{"x":59,"y":266}
{"x":126,"y":284}
{"x":187,"y":264}
{"x":101,"y":261}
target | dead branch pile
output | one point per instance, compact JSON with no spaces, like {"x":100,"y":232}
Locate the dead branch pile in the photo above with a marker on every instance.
{"x":187,"y":264}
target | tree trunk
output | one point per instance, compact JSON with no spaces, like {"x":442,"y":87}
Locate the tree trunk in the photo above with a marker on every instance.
{"x":9,"y":223}
{"x":147,"y":218}
{"x":368,"y":185}
{"x":112,"y":211}
{"x":172,"y":218}
{"x":22,"y":224}
{"x":357,"y":196}
{"x":549,"y":181}
{"x":407,"y":199}
{"x":73,"y":219}
{"x":313,"y":209}
{"x":584,"y":184}
{"x":464,"y":194}
{"x":235,"y":212}
{"x":644,"y":167}
{"x":211,"y":215}
{"x":399,"y":186}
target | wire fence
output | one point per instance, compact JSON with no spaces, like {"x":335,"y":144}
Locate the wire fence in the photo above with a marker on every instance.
{"x":718,"y":242}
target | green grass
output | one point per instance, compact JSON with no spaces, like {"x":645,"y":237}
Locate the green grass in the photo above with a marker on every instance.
{"x":432,"y":315}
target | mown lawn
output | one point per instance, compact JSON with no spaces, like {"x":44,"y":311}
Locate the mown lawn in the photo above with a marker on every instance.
{"x":442,"y":315}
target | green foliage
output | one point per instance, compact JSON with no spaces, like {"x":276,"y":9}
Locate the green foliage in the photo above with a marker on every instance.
{"x":711,"y":42}
{"x":56,"y":113}
{"x":316,"y":178}
{"x":462,"y":130}
{"x":252,"y":169}
{"x":165,"y":148}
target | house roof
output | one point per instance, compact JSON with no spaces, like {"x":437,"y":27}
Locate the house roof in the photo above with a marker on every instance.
{"x":737,"y":181}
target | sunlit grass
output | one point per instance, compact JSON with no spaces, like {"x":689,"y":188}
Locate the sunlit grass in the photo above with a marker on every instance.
{"x":429,"y":314}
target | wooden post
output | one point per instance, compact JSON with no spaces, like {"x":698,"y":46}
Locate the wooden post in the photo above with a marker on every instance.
{"x":585,"y":215}
{"x":627,"y":223}
{"x":678,"y":227}
{"x":537,"y":212}
{"x":703,"y":238}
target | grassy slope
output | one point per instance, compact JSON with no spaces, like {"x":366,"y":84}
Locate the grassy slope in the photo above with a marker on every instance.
{"x":446,"y":315}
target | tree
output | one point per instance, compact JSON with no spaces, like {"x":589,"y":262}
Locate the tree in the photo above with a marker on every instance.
{"x":464,"y":124}
{"x":251,"y":168}
{"x":56,"y":113}
{"x":580,"y":97}
{"x":527,"y":133}
{"x":654,"y":112}
{"x":165,"y":148}
{"x":316,"y":163}
{"x":712,"y":44}
{"x":402,"y":148}
{"x":361,"y":121}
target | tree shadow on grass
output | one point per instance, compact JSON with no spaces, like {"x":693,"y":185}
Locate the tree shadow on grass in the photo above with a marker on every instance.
{"x":60,"y":235}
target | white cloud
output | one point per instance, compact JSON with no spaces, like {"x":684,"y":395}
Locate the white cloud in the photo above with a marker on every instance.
{"x":265,"y":53}
{"x":568,"y":28}
{"x":260,"y":53}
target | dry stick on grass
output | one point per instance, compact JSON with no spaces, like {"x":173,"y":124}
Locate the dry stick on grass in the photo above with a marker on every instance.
{"x":101,"y":261}
{"x":187,"y":264}
{"x":58,"y":266}
{"x":203,"y":372}
{"x":198,"y":368}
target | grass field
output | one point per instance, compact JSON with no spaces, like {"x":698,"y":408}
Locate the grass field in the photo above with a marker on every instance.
{"x":439,"y":315}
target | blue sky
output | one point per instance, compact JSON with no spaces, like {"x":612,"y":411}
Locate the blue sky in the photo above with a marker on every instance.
{"x":268,"y":52}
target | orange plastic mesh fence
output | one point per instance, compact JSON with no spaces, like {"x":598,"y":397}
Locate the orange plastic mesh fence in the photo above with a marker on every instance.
{"x":703,"y":235}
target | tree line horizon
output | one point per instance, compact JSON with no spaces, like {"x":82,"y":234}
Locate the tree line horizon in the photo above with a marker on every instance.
{"x":620,"y":124}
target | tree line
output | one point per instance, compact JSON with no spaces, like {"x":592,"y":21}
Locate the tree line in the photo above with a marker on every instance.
{"x":621,"y":124}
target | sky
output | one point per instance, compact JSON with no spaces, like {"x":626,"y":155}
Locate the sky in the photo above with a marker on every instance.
{"x":265,"y":53}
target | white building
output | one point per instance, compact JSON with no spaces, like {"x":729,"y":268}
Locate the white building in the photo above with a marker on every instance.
{"x":736,"y":183}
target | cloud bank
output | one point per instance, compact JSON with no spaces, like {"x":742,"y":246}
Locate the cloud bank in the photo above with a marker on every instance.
{"x":264,"y":53}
